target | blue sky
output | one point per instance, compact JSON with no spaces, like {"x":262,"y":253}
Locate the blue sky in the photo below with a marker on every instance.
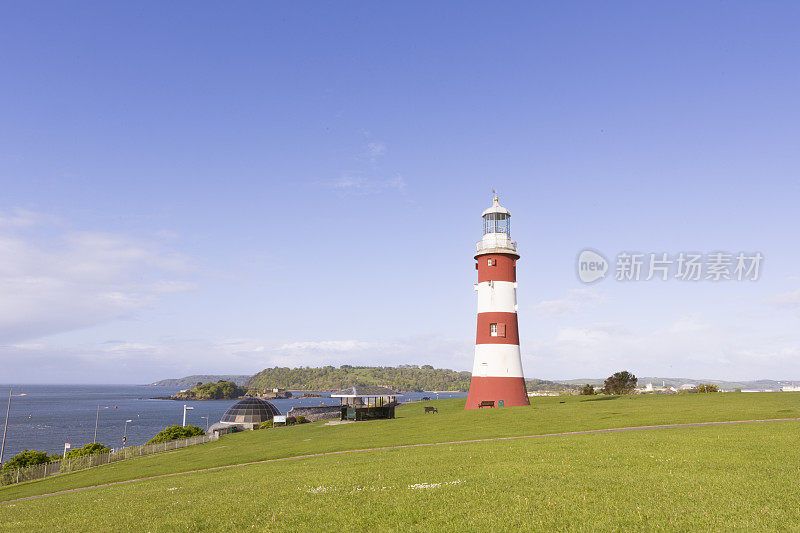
{"x":189,"y":188}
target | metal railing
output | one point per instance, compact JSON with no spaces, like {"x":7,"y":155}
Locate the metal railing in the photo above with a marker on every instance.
{"x":490,"y":244}
{"x":82,"y":462}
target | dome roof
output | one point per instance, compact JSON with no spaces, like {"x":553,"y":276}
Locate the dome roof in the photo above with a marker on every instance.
{"x":496,"y":208}
{"x":250,"y":411}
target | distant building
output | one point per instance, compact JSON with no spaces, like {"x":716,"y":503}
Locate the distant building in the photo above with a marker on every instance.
{"x":366,"y":403}
{"x":790,"y":388}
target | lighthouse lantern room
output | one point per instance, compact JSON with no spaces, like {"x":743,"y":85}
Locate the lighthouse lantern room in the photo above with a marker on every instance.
{"x":497,"y":378}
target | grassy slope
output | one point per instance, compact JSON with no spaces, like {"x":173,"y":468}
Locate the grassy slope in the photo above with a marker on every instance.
{"x":725,"y":477}
{"x":547,"y":415}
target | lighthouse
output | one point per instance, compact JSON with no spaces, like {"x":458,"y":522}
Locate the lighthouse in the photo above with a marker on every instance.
{"x":497,"y":372}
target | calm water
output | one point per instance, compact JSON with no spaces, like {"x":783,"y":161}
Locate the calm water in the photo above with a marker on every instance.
{"x":50,"y":415}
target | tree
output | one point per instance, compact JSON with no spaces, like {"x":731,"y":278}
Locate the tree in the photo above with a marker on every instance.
{"x":88,"y":449}
{"x":176,"y":432}
{"x":620,"y":383}
{"x":587,"y":390}
{"x":706,"y":387}
{"x":27,"y":458}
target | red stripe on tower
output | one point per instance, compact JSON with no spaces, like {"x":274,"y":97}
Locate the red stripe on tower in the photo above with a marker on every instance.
{"x":497,"y":372}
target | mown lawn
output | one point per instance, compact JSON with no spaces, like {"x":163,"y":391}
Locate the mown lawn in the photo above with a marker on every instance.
{"x":547,"y":415}
{"x":743,"y":477}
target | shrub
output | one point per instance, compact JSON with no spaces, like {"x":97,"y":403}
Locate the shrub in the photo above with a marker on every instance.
{"x":87,"y":449}
{"x":27,"y":458}
{"x":176,"y":432}
{"x":301,"y":419}
{"x":588,"y":390}
{"x":706,"y":387}
{"x":290,"y":420}
{"x":265,"y":424}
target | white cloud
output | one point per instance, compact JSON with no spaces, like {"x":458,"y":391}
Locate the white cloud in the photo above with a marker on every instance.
{"x":71,"y":280}
{"x":328,"y":346}
{"x":788,"y":299}
{"x":172,"y":286}
{"x":135,"y":361}
{"x":23,"y":218}
{"x":354,"y":184}
{"x":688,"y":347}
{"x":376,"y":149}
{"x":571,"y":304}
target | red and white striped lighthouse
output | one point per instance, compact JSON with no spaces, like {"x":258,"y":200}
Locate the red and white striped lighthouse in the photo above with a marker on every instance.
{"x":497,"y":373}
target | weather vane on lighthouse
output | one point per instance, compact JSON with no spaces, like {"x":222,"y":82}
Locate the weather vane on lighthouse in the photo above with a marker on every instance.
{"x":497,"y":378}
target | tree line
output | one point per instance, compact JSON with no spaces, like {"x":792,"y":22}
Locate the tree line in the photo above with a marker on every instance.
{"x":408,"y":378}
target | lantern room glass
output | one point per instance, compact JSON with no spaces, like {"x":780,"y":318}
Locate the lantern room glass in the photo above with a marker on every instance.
{"x":497,"y":223}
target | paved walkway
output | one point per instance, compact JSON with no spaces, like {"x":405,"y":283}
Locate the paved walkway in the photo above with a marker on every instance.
{"x":400,"y":447}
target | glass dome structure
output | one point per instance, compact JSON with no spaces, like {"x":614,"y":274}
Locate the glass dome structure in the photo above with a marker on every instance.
{"x":250,"y":411}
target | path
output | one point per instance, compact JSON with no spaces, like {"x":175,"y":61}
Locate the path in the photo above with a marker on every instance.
{"x":401,"y":446}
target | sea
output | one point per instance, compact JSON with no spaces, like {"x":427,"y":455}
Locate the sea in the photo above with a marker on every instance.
{"x":48,"y":416}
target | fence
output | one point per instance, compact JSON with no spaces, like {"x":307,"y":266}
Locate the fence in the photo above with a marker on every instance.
{"x":73,"y":464}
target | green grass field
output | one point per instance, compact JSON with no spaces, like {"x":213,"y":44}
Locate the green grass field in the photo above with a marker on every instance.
{"x":731,"y":477}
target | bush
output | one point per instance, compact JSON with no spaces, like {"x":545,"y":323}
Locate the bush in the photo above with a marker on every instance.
{"x":176,"y":432}
{"x":620,"y":383}
{"x":27,"y":458}
{"x":588,"y":390}
{"x":706,"y":387}
{"x":301,"y":419}
{"x":265,"y":424}
{"x":87,"y":449}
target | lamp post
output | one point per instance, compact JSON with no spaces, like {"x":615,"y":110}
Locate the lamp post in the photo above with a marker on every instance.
{"x":186,"y":408}
{"x":97,"y":420}
{"x":5,"y":427}
{"x":125,"y":433}
{"x":206,"y":422}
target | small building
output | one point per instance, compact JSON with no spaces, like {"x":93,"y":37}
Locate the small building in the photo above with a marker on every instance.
{"x":366,"y":403}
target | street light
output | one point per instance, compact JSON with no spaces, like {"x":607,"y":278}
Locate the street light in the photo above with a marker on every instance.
{"x":125,"y":433}
{"x":206,"y":422}
{"x":5,"y":428}
{"x":185,"y":408}
{"x":97,"y":419}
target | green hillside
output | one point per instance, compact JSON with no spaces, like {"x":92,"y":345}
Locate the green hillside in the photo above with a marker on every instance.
{"x":402,"y":378}
{"x":191,"y":381}
{"x":734,"y":478}
{"x":221,"y":390}
{"x":737,"y":477}
{"x":741,"y":476}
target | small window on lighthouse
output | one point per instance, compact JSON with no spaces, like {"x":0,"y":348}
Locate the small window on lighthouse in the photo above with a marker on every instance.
{"x":493,"y":330}
{"x":501,"y":330}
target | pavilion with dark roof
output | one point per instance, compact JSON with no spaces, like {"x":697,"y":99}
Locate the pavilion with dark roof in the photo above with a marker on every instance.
{"x":366,"y":403}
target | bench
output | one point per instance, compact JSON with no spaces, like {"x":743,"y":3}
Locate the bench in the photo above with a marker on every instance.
{"x":486,"y":403}
{"x":431,"y":410}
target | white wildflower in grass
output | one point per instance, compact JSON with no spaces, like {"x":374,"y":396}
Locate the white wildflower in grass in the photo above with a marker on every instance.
{"x":417,"y":486}
{"x":369,"y":489}
{"x":173,"y":488}
{"x":317,"y":490}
